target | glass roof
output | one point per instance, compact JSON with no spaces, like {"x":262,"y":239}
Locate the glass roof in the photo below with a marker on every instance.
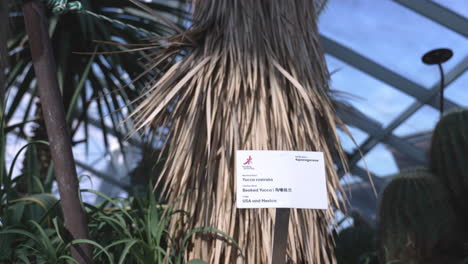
{"x":347,"y":143}
{"x":391,"y":35}
{"x":423,"y":120}
{"x":394,"y":36}
{"x":379,"y":161}
{"x":458,"y":90}
{"x":377,"y":99}
{"x":458,"y":6}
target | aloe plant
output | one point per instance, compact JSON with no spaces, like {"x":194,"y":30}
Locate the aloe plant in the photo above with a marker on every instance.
{"x":417,"y":220}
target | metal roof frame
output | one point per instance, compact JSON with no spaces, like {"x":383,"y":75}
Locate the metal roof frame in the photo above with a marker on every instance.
{"x":439,"y":14}
{"x":422,"y":96}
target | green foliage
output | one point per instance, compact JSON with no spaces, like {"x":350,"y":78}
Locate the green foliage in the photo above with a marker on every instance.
{"x":136,"y":230}
{"x":96,"y":87}
{"x":449,"y":156}
{"x":97,"y":84}
{"x":122,"y":231}
{"x":197,"y":261}
{"x":27,"y":223}
{"x":417,"y":221}
{"x":132,"y":230}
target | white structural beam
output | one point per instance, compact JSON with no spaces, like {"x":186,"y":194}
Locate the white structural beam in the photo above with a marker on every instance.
{"x":422,"y":96}
{"x":452,"y":75}
{"x":376,"y":131}
{"x":382,"y":73}
{"x":439,"y":14}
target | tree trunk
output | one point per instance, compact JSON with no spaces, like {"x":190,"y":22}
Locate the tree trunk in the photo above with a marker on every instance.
{"x":54,"y":117}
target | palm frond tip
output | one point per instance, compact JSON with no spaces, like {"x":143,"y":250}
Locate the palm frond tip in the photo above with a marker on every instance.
{"x":254,"y":77}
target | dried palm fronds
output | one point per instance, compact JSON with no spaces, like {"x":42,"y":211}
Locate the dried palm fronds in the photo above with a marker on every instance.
{"x":254,"y":77}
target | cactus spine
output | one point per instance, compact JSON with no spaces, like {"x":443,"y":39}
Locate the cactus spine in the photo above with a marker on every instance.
{"x":417,"y":221}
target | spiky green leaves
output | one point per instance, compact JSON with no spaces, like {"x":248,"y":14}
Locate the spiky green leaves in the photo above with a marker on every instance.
{"x":417,"y":220}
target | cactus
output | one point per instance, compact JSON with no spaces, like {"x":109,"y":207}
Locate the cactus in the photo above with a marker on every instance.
{"x":449,"y":157}
{"x":355,"y":244}
{"x":417,"y":222}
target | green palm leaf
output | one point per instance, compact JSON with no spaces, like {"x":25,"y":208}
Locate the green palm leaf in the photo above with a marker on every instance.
{"x":74,"y":33}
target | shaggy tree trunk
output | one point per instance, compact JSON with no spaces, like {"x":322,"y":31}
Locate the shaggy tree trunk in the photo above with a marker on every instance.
{"x":254,"y":77}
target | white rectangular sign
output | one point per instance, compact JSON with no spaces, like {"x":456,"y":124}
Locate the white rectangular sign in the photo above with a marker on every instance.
{"x":281,"y":179}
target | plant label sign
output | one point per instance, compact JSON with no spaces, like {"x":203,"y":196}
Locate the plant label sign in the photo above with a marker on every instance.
{"x":281,"y":179}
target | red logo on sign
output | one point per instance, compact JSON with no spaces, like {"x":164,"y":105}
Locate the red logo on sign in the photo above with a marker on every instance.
{"x":248,"y":161}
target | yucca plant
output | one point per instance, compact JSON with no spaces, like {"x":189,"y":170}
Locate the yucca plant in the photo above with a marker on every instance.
{"x":449,"y":155}
{"x":417,"y":222}
{"x":253,"y":77}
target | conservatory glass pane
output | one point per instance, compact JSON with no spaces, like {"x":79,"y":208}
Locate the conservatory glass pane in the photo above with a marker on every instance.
{"x":391,"y":35}
{"x":372,"y":97}
{"x":350,"y":179}
{"x":457,"y":6}
{"x":379,"y":161}
{"x":347,"y":143}
{"x":423,"y":120}
{"x":458,"y":90}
